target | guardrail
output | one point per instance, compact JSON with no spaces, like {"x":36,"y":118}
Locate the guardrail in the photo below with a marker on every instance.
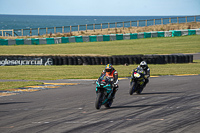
{"x":94,"y":27}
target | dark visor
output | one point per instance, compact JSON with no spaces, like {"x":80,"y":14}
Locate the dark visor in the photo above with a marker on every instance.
{"x":108,"y":70}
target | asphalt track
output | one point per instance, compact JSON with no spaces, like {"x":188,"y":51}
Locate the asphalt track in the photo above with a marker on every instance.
{"x":168,"y":104}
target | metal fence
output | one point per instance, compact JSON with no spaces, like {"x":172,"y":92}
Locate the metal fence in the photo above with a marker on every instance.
{"x":85,"y":28}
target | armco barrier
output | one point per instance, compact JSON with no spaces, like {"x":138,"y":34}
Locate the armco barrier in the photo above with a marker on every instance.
{"x":176,"y":33}
{"x":147,"y":34}
{"x":191,"y":32}
{"x":99,"y":38}
{"x":160,"y":34}
{"x":126,"y":36}
{"x":93,"y":38}
{"x":94,"y":60}
{"x":198,"y":32}
{"x":19,"y":41}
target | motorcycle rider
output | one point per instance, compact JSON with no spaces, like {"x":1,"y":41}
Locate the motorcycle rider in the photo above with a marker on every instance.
{"x":113,"y":74}
{"x":146,"y":69}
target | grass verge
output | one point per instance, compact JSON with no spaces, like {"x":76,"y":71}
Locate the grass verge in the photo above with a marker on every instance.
{"x":11,"y":85}
{"x":160,"y":45}
{"x":90,"y":71}
{"x":184,"y":44}
{"x":82,"y":72}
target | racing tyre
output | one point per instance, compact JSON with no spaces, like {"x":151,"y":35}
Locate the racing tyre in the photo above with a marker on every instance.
{"x":132,"y":89}
{"x":139,"y":91}
{"x":98,"y":101}
{"x":109,"y":103}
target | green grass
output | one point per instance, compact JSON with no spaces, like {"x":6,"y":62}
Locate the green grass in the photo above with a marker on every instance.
{"x":89,"y":71}
{"x":10,"y":85}
{"x":82,"y":72}
{"x":169,"y":45}
{"x":184,"y":44}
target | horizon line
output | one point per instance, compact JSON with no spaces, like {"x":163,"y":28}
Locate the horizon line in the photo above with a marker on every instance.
{"x":95,"y":15}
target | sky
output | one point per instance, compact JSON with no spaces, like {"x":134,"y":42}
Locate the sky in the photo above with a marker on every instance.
{"x":101,"y":7}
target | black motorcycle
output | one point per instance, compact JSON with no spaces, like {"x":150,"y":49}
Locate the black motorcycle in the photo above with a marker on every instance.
{"x":137,"y":81}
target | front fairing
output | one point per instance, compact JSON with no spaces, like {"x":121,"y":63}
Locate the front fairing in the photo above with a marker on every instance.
{"x":104,"y":82}
{"x":138,"y":76}
{"x":103,"y":87}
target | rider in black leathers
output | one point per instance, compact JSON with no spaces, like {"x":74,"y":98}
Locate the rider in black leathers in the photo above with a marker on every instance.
{"x":146,"y":69}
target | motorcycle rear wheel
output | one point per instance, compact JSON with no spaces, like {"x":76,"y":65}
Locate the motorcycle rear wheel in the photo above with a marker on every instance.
{"x":98,"y":101}
{"x":109,"y":103}
{"x":139,"y":91}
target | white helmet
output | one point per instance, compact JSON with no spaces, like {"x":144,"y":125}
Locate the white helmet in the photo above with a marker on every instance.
{"x":143,"y":64}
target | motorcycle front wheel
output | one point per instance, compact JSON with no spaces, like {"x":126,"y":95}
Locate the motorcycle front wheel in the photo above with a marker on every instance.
{"x":139,"y":90}
{"x":98,"y":101}
{"x":132,"y":89}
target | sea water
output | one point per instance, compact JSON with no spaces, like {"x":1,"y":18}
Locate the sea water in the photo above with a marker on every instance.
{"x":18,"y":22}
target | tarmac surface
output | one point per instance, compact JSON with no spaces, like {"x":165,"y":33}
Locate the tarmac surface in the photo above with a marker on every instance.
{"x":168,"y":104}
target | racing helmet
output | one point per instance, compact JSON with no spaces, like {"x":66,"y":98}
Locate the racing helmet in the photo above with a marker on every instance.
{"x":143,"y":64}
{"x":108,"y":68}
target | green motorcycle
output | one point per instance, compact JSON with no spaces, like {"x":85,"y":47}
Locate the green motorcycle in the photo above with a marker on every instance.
{"x":103,"y":92}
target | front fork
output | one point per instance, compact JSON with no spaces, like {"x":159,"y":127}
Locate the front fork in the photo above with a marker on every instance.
{"x":105,"y":95}
{"x":131,"y":81}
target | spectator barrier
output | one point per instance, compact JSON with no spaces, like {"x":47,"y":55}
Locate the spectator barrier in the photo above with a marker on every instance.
{"x":99,"y":38}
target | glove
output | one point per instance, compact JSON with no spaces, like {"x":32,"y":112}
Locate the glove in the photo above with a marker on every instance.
{"x":111,"y":80}
{"x":146,"y":76}
{"x":115,"y":85}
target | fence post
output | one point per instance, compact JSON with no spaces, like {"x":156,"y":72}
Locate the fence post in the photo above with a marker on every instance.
{"x":30,"y":32}
{"x":22,"y":32}
{"x":63,"y":29}
{"x":130,"y":24}
{"x":186,"y":19}
{"x":161,"y":21}
{"x":46,"y":30}
{"x":86,"y":27}
{"x":170,"y":20}
{"x":195,"y":18}
{"x":12,"y":32}
{"x":38,"y":31}
{"x":101,"y":26}
{"x":70,"y":28}
{"x":94,"y":27}
{"x":115,"y":25}
{"x":123,"y":25}
{"x":78,"y":28}
{"x":145,"y":22}
{"x":108,"y":26}
{"x":177,"y":20}
{"x":54,"y":30}
{"x":154,"y":22}
{"x":137,"y":23}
